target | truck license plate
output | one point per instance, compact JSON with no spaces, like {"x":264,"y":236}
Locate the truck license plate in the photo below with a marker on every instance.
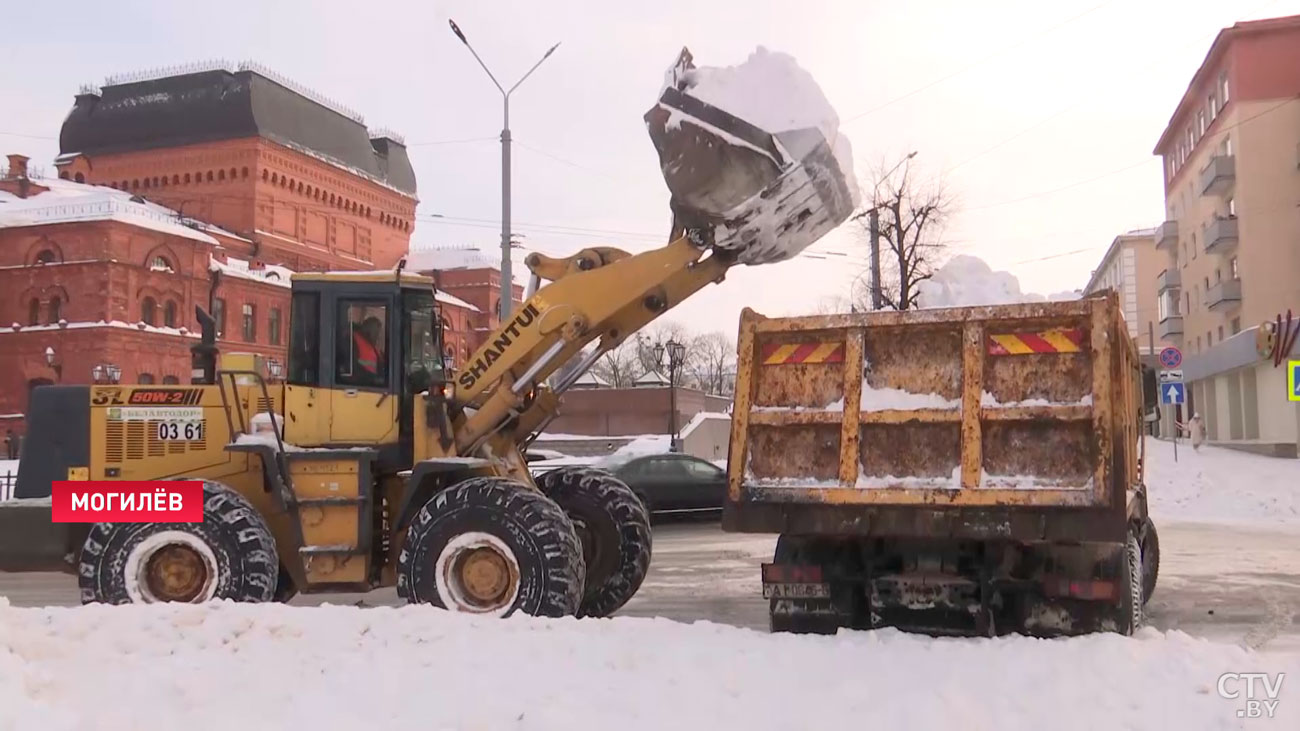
{"x":796,"y":591}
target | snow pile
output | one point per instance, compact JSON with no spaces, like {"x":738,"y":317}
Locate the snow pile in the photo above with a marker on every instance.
{"x":878,"y":482}
{"x":988,"y":399}
{"x":889,"y":399}
{"x":1221,"y":486}
{"x":639,"y":447}
{"x":967,"y":281}
{"x":224,"y":666}
{"x":770,"y":91}
{"x":700,"y":418}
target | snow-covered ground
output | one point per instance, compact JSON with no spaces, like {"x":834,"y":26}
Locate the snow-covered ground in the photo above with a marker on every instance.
{"x":278,"y":667}
{"x":1218,"y":485}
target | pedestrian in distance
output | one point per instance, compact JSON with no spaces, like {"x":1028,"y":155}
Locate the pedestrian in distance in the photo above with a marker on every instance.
{"x":1195,"y":428}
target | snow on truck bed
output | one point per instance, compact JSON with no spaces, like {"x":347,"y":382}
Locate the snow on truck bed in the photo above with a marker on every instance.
{"x":228,"y":666}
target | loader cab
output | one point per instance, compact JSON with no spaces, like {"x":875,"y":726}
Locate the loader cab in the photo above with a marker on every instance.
{"x":361,"y":346}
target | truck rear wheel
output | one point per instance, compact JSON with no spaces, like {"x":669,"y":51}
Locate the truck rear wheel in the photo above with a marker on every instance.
{"x":613,"y":526}
{"x":230,"y":555}
{"x":1131,"y":617}
{"x":492,"y":546}
{"x":1150,"y":559}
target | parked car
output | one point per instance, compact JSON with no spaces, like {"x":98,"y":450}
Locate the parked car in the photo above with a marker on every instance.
{"x":674,"y":483}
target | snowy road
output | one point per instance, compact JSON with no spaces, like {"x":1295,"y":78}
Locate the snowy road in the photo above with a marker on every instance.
{"x":1229,"y":583}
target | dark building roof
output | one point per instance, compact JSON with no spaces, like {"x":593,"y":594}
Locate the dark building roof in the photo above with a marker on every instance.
{"x":220,"y":104}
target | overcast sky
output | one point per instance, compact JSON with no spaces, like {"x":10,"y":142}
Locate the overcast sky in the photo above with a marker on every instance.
{"x":1039,"y":116}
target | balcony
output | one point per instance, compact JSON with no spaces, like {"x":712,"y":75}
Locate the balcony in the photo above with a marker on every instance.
{"x":1171,"y":327}
{"x":1219,"y":175}
{"x":1167,"y":235}
{"x":1168,"y":279}
{"x":1221,"y":235}
{"x":1224,"y":295}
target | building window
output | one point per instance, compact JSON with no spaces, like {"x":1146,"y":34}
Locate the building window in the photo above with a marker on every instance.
{"x":160,"y":264}
{"x":145,"y":379}
{"x":219,"y":315}
{"x":243,"y":173}
{"x":1193,"y":244}
{"x":209,"y":176}
{"x":170,"y":380}
{"x":46,"y":256}
{"x":1187,"y":302}
{"x":232,"y":173}
{"x":1232,"y":208}
{"x":1200,"y":124}
{"x":1209,"y":339}
{"x":34,"y":312}
{"x":1235,"y":325}
{"x":1214,"y":106}
{"x":1223,"y":88}
{"x":1232,"y":267}
{"x":56,"y":310}
{"x":1221,"y":333}
{"x":1198,"y":343}
{"x":273,"y":326}
{"x":148,"y":310}
{"x":249,"y":327}
{"x":1207,"y":286}
{"x":1218,"y":276}
{"x":361,"y":341}
{"x":266,"y":174}
{"x":79,"y":178}
{"x":221,"y":175}
{"x":1168,"y":304}
{"x":187,"y":178}
{"x":169,"y":313}
{"x":176,"y":180}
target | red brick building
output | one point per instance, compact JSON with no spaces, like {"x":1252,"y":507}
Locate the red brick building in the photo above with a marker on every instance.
{"x":206,"y":188}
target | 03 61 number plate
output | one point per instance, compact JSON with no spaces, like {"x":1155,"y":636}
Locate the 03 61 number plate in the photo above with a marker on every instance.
{"x":180,"y":431}
{"x":796,"y":591}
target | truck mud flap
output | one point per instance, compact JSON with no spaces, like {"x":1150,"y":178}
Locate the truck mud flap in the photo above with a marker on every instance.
{"x":30,"y":541}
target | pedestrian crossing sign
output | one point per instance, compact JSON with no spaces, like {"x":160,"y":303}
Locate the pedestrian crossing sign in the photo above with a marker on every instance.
{"x":1293,"y":380}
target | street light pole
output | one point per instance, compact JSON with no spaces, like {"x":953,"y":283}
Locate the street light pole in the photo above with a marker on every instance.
{"x":507,"y":290}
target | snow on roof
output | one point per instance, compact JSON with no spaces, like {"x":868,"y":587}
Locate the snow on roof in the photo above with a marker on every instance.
{"x":700,"y":418}
{"x":652,"y":378}
{"x":590,"y":380}
{"x":65,"y":325}
{"x":69,"y":202}
{"x":450,"y":299}
{"x":459,"y":257}
{"x":238,"y":268}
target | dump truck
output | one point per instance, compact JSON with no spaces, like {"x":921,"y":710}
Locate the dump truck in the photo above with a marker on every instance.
{"x":372,"y":464}
{"x":964,"y":471}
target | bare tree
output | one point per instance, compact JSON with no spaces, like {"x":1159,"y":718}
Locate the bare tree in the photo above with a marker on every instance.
{"x":913,"y":212}
{"x":714,"y":362}
{"x":621,"y":366}
{"x":660,"y":333}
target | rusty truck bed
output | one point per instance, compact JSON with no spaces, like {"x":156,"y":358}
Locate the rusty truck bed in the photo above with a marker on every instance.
{"x":979,"y":421}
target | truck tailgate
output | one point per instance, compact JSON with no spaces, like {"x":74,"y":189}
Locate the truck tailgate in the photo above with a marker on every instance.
{"x":984,"y":407}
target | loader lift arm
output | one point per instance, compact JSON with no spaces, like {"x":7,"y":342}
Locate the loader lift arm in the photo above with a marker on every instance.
{"x":598,"y":293}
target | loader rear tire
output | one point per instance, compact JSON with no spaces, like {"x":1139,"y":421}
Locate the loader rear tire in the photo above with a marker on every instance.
{"x":613,"y":526}
{"x":492,"y":546}
{"x":230,"y":555}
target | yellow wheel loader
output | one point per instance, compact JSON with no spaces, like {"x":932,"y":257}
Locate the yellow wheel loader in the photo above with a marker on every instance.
{"x":371,"y":464}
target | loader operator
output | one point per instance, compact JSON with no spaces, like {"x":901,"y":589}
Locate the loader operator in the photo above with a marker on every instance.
{"x":367,"y":352}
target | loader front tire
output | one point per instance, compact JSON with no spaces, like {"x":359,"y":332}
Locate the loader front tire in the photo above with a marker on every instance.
{"x":230,"y":555}
{"x":613,"y":525}
{"x":492,"y":546}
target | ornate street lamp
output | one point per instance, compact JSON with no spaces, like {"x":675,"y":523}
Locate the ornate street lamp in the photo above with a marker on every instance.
{"x":676,"y":353}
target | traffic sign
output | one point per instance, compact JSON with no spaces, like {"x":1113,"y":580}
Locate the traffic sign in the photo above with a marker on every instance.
{"x":1171,"y":376}
{"x":1293,"y":380}
{"x":1173,"y":393}
{"x":1171,"y":357}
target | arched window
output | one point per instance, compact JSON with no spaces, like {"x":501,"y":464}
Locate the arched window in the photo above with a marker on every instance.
{"x":176,"y":180}
{"x":145,"y":379}
{"x":124,"y":185}
{"x":367,"y":211}
{"x":232,"y":173}
{"x":160,"y":264}
{"x":163,"y":182}
{"x":331,"y":199}
{"x":63,"y":175}
{"x":146,"y":184}
{"x":169,"y":313}
{"x":34,"y":312}
{"x":135,"y":184}
{"x":170,"y":380}
{"x":265,"y":174}
{"x":56,"y":310}
{"x":187,"y":178}
{"x":148,"y":310}
{"x":79,"y":178}
{"x":46,"y":256}
{"x":275,"y":178}
{"x":243,"y":173}
{"x":155,"y":181}
{"x":284,"y":181}
{"x":209,"y":176}
{"x":299,"y":187}
{"x":221,"y":174}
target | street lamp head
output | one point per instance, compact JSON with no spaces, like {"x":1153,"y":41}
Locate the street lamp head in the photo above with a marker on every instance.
{"x":49,"y":355}
{"x":658,"y":351}
{"x":456,"y":29}
{"x":676,"y":351}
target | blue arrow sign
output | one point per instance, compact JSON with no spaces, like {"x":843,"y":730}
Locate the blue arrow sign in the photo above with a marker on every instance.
{"x":1173,"y":393}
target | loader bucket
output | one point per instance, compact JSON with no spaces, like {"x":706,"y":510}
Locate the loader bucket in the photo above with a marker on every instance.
{"x":762,"y":195}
